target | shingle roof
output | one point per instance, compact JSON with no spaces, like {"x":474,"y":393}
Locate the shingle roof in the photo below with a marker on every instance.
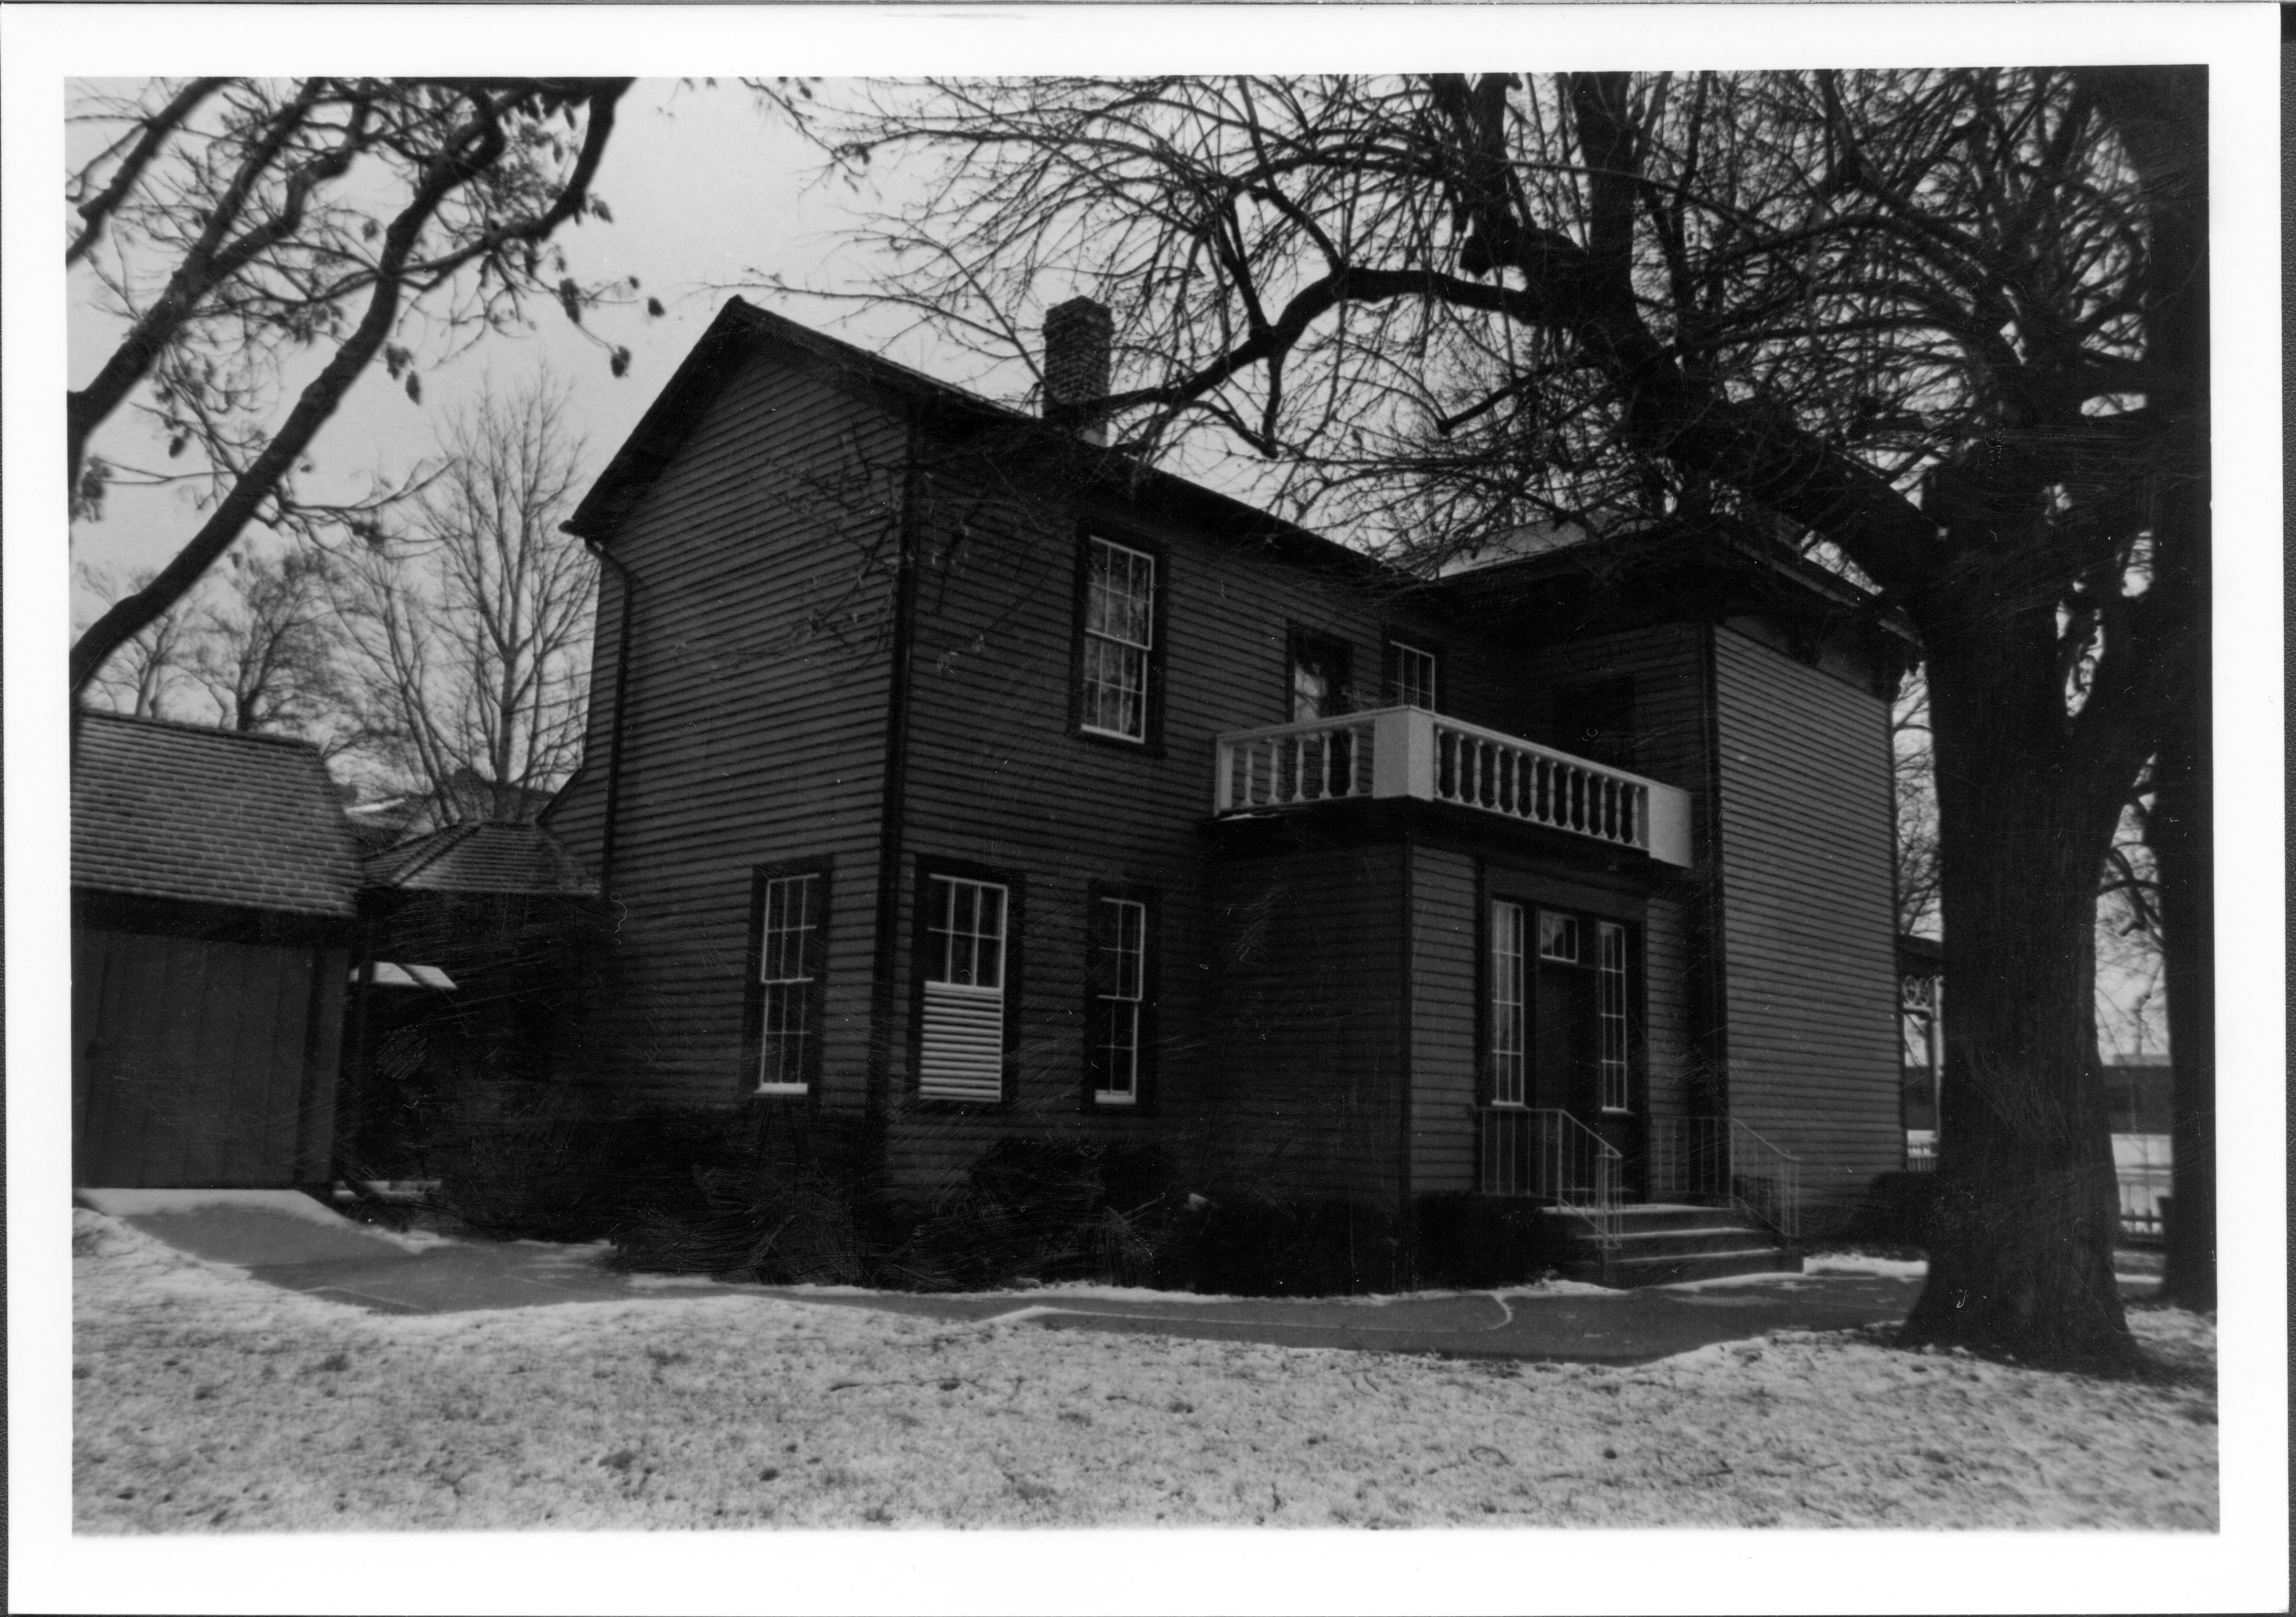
{"x":482,"y":855}
{"x":742,"y":329}
{"x":180,"y":811}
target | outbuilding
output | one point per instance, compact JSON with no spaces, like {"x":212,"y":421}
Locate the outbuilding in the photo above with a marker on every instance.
{"x":215,"y":907}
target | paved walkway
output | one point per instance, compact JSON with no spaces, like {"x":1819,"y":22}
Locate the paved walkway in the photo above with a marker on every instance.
{"x":289,"y":1241}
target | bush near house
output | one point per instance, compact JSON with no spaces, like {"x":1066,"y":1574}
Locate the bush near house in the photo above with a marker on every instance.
{"x":790,"y":1200}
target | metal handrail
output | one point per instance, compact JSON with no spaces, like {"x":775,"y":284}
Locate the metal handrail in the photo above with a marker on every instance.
{"x":1721,"y":1159}
{"x":1545,"y":1154}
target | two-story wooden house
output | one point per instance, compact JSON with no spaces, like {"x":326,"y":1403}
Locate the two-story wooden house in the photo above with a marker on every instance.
{"x":948,"y":768}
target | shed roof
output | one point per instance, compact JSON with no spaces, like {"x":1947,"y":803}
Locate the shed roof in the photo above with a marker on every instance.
{"x":482,"y":855}
{"x":166,"y":810}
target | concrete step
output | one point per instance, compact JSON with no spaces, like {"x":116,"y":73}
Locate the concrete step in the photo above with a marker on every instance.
{"x":1684,"y":1242}
{"x":1647,"y":1216}
{"x":1667,"y":1269}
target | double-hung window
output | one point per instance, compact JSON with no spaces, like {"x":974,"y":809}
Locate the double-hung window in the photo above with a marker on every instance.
{"x":786,"y":995}
{"x":1411,"y":676}
{"x":1120,"y":640}
{"x":1118,"y":975}
{"x":961,"y":1048}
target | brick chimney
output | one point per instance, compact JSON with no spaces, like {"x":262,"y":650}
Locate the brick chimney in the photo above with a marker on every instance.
{"x":1077,"y":335}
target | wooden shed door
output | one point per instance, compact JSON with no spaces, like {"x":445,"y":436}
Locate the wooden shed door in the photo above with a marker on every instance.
{"x":197,"y":1062}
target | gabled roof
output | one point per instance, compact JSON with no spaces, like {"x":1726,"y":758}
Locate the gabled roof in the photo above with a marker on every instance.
{"x":741,"y":330}
{"x":482,"y":855}
{"x":165,"y":811}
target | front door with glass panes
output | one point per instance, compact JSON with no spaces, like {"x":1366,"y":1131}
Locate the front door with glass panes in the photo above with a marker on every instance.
{"x":1559,"y":1027}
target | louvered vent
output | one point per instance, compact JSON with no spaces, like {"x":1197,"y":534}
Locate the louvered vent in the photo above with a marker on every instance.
{"x":962,"y":1055}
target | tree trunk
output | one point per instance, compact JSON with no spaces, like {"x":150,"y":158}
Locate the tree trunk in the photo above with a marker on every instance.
{"x":2021,"y":1254}
{"x":2177,"y":830}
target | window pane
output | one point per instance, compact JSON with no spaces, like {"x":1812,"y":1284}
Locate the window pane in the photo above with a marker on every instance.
{"x":789,"y":996}
{"x":1415,"y":676}
{"x":1119,"y":944}
{"x":1610,"y":1011}
{"x":1507,"y":1052}
{"x":1558,"y":937}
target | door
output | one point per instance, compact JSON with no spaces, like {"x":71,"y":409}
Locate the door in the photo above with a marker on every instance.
{"x":189,"y":1060}
{"x":1581,"y":1005}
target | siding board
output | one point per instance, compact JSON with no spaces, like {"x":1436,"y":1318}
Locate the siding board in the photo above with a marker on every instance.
{"x":1806,"y":829}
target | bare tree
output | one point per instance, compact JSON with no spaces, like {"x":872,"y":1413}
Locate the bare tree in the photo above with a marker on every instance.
{"x":1912,"y":775}
{"x":1951,"y":323}
{"x":263,"y":645}
{"x":471,"y":635}
{"x":145,"y":676}
{"x":236,"y":225}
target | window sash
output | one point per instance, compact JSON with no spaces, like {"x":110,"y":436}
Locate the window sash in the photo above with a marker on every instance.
{"x":1610,"y":1014}
{"x":1508,"y":1044}
{"x":1415,"y":675}
{"x":1120,"y":991}
{"x":789,"y":939}
{"x":965,"y":933}
{"x":1120,"y":629}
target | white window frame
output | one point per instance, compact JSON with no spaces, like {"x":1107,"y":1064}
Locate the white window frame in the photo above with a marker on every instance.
{"x":961,"y":1044}
{"x":1610,"y":1016}
{"x":1112,"y":647}
{"x":1406,"y":655}
{"x":789,"y":982}
{"x":1507,"y":1060}
{"x":1119,"y":993}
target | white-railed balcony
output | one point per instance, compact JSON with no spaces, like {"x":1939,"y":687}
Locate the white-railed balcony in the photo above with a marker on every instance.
{"x":1410,"y":752}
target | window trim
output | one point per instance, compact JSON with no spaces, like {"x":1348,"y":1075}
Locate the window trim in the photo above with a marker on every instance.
{"x":1298,"y":637}
{"x":1393,"y":638}
{"x":926,"y":868}
{"x":1151,"y":900}
{"x":1151,"y":742}
{"x":1634,"y":931}
{"x":1526,"y":1001}
{"x":751,"y":1086}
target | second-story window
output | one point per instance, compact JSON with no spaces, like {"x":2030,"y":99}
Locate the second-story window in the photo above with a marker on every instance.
{"x":1411,"y":676}
{"x":1119,"y":626}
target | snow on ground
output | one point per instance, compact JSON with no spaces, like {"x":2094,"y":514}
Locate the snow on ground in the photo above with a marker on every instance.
{"x":205,"y":1400}
{"x":1859,"y":1263}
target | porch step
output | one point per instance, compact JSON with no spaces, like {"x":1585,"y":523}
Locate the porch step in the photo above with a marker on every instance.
{"x":1663,"y":1243}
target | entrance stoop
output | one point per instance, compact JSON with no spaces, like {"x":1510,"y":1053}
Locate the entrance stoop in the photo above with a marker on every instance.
{"x":1663,"y":1242}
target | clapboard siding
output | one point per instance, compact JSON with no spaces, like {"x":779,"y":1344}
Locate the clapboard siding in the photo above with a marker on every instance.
{"x":1805,"y":834}
{"x":1309,"y":1024}
{"x":997,"y":774}
{"x":764,"y":558}
{"x":1669,"y":716}
{"x":1445,"y":978}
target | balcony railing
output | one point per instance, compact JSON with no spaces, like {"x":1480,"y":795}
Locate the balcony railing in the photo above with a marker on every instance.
{"x":1411,"y":752}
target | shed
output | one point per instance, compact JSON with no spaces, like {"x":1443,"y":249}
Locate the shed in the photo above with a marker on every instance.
{"x":215,"y":901}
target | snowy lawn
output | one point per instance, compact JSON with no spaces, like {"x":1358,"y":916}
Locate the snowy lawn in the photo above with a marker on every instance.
{"x":205,"y":1400}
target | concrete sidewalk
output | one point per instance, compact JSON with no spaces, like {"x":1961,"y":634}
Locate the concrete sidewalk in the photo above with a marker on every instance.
{"x":289,"y":1241}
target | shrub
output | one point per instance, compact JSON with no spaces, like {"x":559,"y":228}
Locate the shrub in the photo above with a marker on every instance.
{"x":1485,"y":1241}
{"x":1251,"y":1244}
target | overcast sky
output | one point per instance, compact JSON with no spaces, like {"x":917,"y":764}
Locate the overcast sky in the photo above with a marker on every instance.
{"x":704,"y":189}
